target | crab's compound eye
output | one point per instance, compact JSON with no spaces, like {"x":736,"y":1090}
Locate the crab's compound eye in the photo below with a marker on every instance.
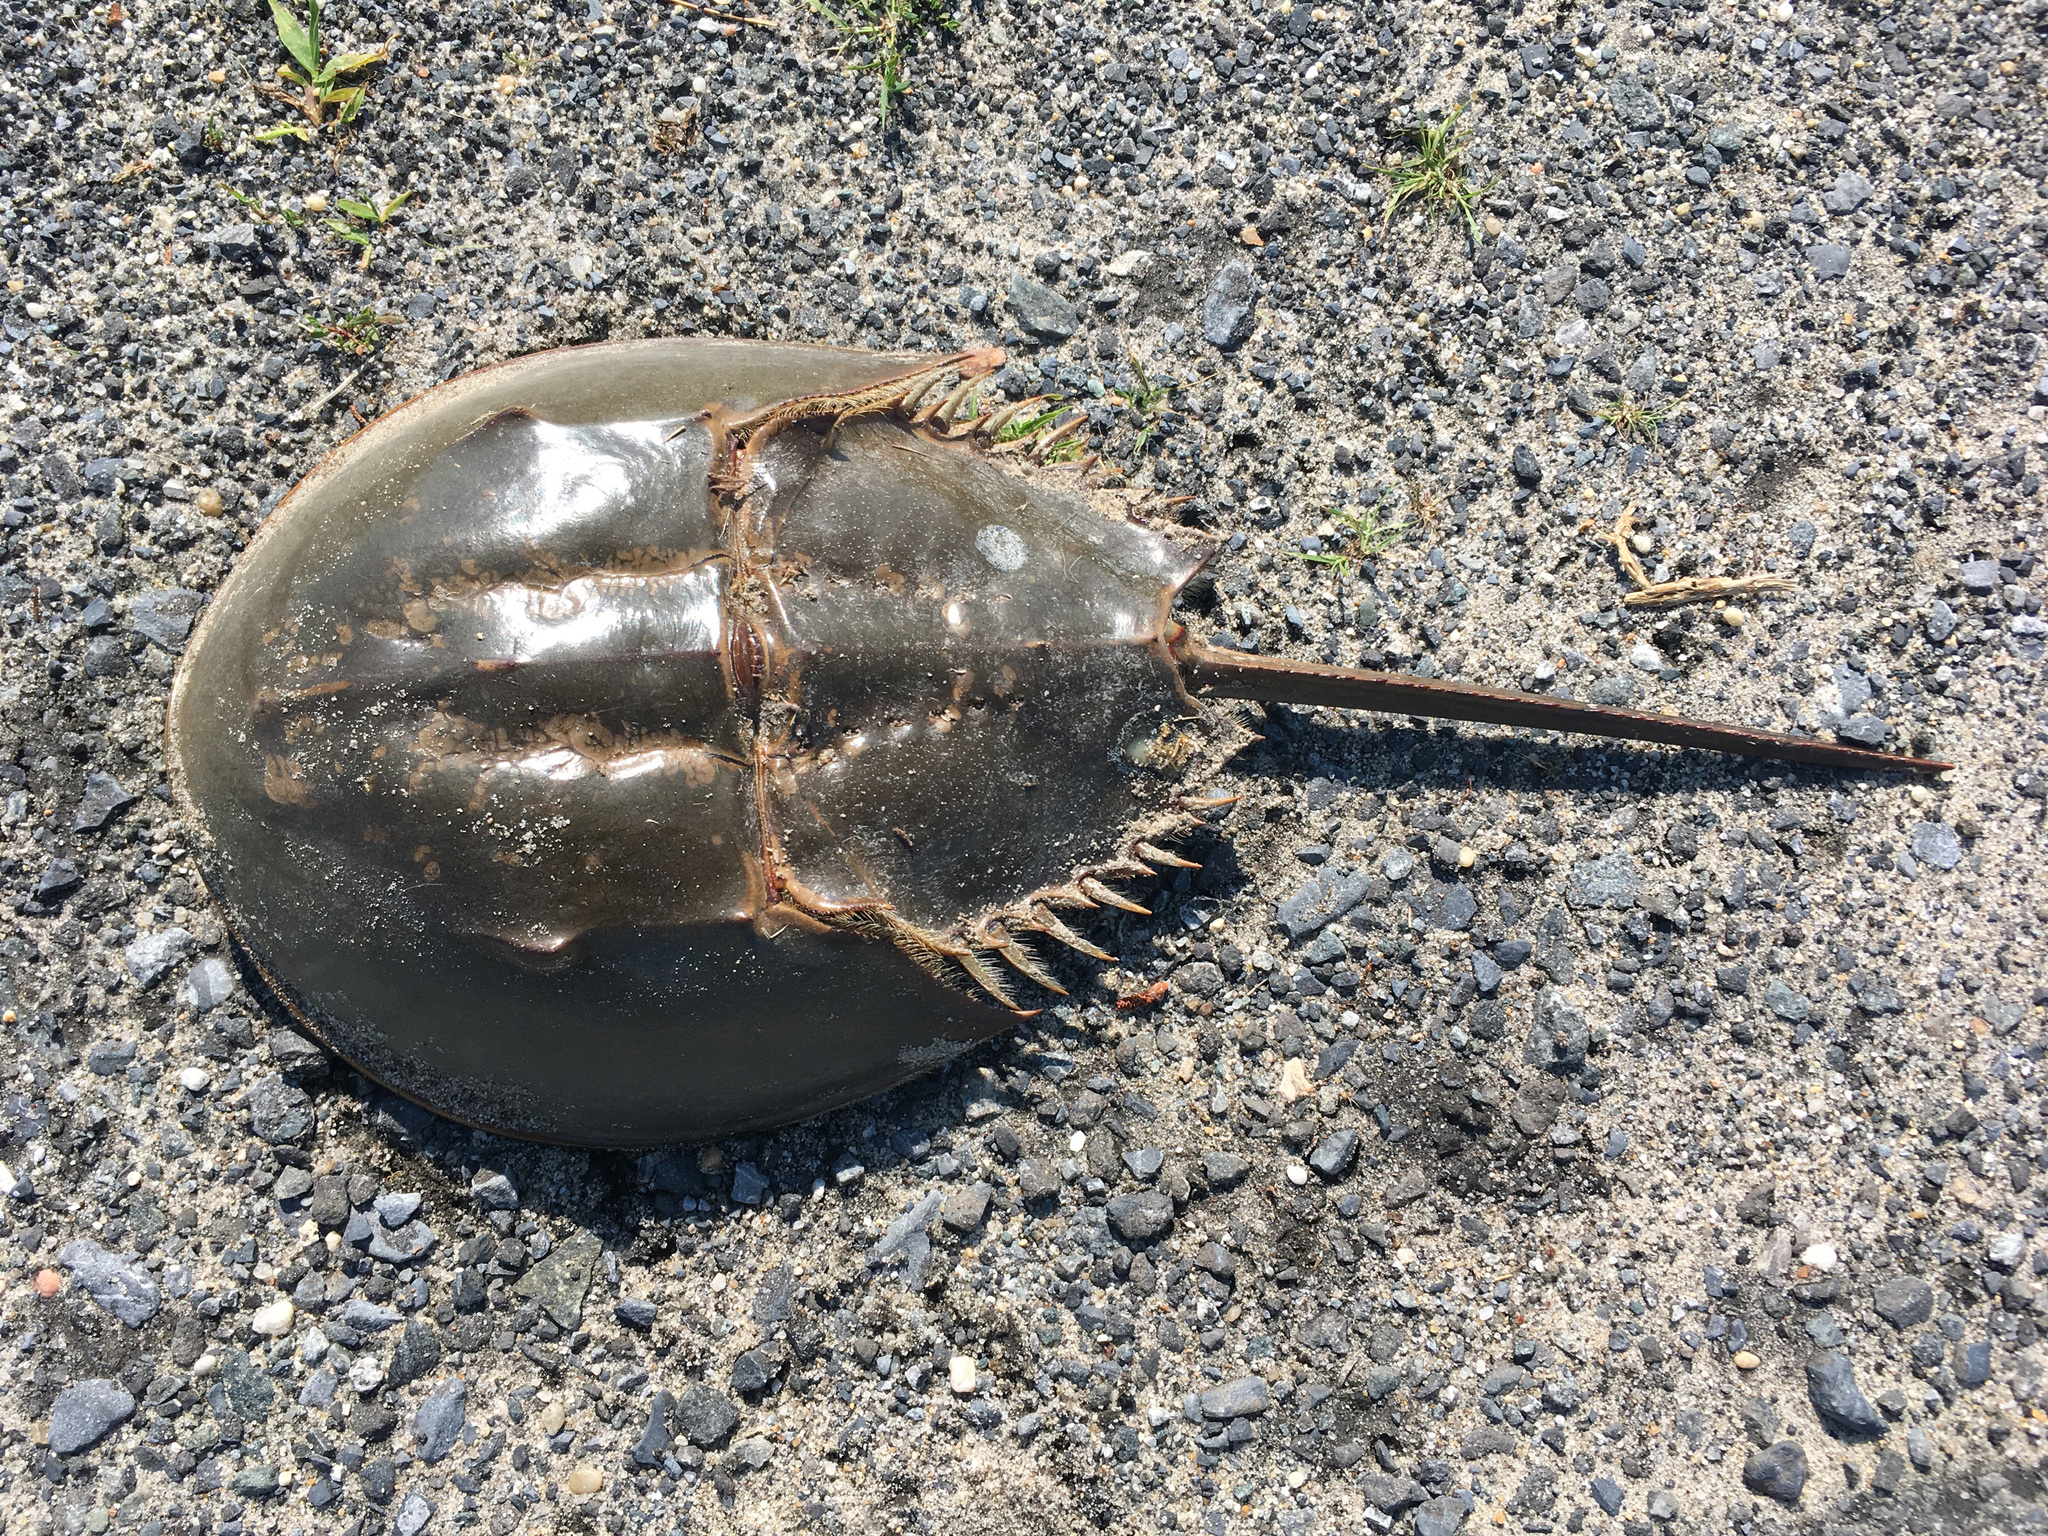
{"x":1002,"y":547}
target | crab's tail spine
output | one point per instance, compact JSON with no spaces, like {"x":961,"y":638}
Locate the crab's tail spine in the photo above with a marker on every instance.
{"x":1224,"y":674}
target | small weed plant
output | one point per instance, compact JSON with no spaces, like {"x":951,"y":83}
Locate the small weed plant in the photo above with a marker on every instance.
{"x":318,"y":91}
{"x":893,"y":30}
{"x":364,"y":222}
{"x":357,"y":335}
{"x":1369,"y":537}
{"x":1145,"y":399}
{"x":1631,"y":418}
{"x":1435,"y":177}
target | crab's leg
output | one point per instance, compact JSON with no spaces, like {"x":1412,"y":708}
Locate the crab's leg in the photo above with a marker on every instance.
{"x":1222,"y":674}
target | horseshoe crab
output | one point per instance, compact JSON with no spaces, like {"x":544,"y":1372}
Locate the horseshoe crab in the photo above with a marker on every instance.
{"x":654,"y":741}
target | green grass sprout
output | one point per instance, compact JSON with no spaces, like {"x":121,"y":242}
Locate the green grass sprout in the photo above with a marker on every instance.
{"x":894,"y":29}
{"x":1435,"y":176}
{"x":1369,"y":537}
{"x":1145,"y":400}
{"x":1631,"y":418}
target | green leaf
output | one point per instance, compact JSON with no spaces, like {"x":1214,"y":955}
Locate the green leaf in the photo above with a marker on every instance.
{"x":362,"y":211}
{"x":283,"y":131}
{"x":349,"y":63}
{"x":348,"y":232}
{"x":298,"y":42}
{"x":398,"y":202}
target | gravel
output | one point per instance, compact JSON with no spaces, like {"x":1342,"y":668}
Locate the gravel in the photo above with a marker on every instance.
{"x":1401,"y":1126}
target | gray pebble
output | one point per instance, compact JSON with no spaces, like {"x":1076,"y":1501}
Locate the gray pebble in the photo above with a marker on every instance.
{"x":86,"y":1413}
{"x":1831,"y":1385}
{"x":437,"y":1426}
{"x":1229,"y":307}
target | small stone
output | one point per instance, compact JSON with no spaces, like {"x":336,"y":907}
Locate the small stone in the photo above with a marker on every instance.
{"x":1527,"y":470}
{"x":1934,"y":844}
{"x":103,"y":797}
{"x":396,"y":1210}
{"x":118,"y":1286}
{"x":417,"y":1352}
{"x":1614,"y":880}
{"x":656,"y":1437}
{"x":1243,"y":1398}
{"x":413,"y":1514}
{"x":749,"y":1185}
{"x":964,"y":1210}
{"x":704,"y":1416}
{"x":273,"y":1319}
{"x":1440,"y":1516}
{"x":280,"y":1111}
{"x":257,"y":1482}
{"x":1745,"y":1360}
{"x":1141,"y":1218}
{"x":1041,"y":311}
{"x":250,"y":1391}
{"x":585,"y":1480}
{"x":1793,"y":1007}
{"x":154,"y":955}
{"x":1830,"y":262}
{"x":1607,"y":1494}
{"x":86,"y":1413}
{"x":960,"y":1375}
{"x":635,"y":1312}
{"x":1229,"y":308}
{"x":560,"y":1281}
{"x":1831,"y":1385}
{"x":1333,"y":1154}
{"x":1778,"y":1471}
{"x":1144,"y":1162}
{"x":493,"y":1191}
{"x":1224,"y":1170}
{"x":1558,"y":1035}
{"x":1905,"y":1301}
{"x":1406,"y":1189}
{"x":1849,"y":193}
{"x":437,"y":1427}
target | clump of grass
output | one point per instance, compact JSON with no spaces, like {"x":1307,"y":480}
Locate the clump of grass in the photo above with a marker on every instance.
{"x":894,"y":30}
{"x":358,"y":334}
{"x":319,"y":95}
{"x":1435,"y":176}
{"x":1145,"y":400}
{"x":1631,"y":418}
{"x":364,"y":221}
{"x":1369,"y":537}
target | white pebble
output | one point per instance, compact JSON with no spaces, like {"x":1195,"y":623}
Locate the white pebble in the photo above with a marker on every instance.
{"x":366,"y":1375}
{"x":274,"y":1319}
{"x":204,"y":1367}
{"x":1076,"y":1142}
{"x":1296,"y":1174}
{"x":961,"y":1374}
{"x":194,"y":1080}
{"x":1821,"y":1256}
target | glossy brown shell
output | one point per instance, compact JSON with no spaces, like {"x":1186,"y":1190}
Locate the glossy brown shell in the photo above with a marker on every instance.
{"x":498,"y":736}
